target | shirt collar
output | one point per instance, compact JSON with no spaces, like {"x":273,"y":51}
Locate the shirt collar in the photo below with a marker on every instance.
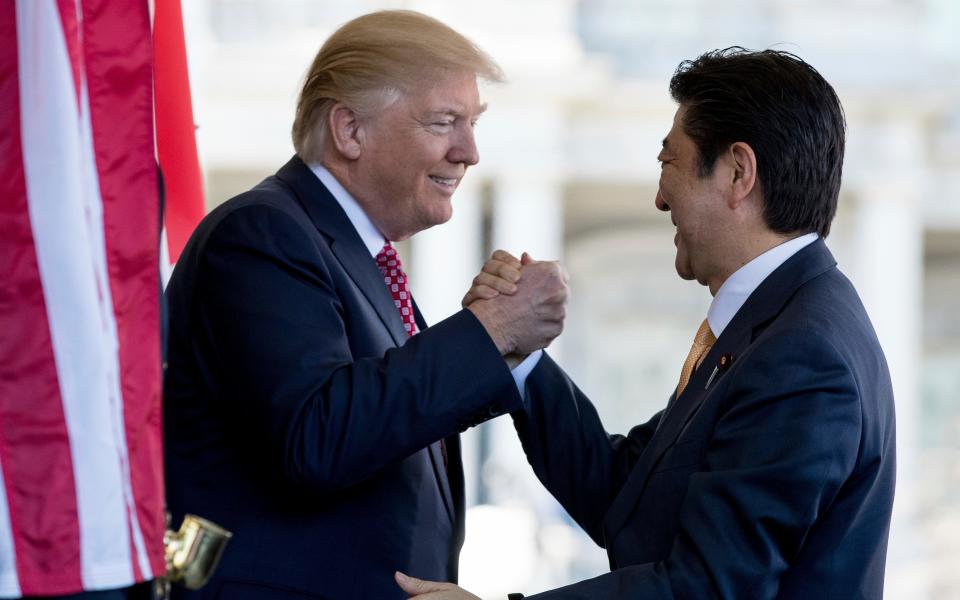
{"x":368,"y":232}
{"x":738,"y":287}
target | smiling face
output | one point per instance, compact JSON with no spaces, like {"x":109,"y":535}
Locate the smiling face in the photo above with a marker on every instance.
{"x":696,"y":206}
{"x":413,"y":155}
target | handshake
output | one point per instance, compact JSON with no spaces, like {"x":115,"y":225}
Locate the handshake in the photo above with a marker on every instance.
{"x":521,"y":303}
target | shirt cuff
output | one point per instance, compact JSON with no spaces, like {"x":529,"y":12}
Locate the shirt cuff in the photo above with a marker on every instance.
{"x":522,"y":371}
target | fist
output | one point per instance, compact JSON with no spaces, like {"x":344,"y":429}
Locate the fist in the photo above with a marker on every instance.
{"x":499,"y":275}
{"x":527,"y":316}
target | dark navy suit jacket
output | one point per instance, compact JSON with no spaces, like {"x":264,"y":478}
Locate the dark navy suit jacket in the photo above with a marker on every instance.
{"x":771,"y":477}
{"x":298,"y":414}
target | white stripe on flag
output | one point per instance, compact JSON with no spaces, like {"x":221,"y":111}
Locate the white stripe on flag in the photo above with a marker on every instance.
{"x":66,"y":217}
{"x":9,"y":586}
{"x":98,"y":247}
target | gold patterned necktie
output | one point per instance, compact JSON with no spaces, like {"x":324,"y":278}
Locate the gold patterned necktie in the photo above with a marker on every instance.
{"x":702,"y":343}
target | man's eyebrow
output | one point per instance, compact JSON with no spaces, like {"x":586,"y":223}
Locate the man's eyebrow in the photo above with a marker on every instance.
{"x":457,"y":111}
{"x":666,"y":143}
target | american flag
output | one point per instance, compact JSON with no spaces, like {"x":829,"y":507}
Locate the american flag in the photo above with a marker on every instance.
{"x":81,"y":474}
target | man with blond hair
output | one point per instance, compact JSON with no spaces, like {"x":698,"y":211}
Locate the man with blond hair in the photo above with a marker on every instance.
{"x":307,"y":407}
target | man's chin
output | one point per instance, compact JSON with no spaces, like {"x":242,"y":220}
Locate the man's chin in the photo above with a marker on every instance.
{"x":425,"y":224}
{"x":442,"y":213}
{"x":684,"y":270}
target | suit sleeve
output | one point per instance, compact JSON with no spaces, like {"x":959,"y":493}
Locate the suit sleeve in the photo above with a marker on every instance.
{"x":570,"y":452}
{"x":265,"y":309}
{"x":787,"y":440}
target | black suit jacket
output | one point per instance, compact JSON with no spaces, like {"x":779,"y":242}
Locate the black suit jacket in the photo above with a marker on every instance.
{"x":769,"y":477}
{"x":299,"y":415}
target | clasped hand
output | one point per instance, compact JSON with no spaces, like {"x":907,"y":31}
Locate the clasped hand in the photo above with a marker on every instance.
{"x":520,"y":302}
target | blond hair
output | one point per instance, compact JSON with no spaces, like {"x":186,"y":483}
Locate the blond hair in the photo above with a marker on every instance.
{"x":374,"y":58}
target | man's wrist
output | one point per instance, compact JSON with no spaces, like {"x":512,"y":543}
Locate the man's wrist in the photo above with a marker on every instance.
{"x":487,"y":314}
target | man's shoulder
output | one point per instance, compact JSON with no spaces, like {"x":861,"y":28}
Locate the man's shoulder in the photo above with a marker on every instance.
{"x":827,"y":317}
{"x":830,"y":305}
{"x":270,"y":195}
{"x":270,"y":206}
{"x":267,"y":218}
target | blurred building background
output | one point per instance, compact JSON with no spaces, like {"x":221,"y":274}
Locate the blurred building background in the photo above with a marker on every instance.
{"x":568,"y":171}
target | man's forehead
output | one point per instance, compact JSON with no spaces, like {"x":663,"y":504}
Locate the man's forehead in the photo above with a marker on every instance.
{"x":451,"y":94}
{"x":675,"y":136}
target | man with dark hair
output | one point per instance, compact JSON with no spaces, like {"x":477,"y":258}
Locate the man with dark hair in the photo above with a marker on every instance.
{"x":791,"y":118}
{"x":770,"y":473}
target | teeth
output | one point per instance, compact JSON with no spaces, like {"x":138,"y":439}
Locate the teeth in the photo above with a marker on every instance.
{"x":443,"y":180}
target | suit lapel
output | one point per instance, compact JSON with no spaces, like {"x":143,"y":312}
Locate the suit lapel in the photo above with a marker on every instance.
{"x":734,"y":341}
{"x":452,"y":442}
{"x":763,"y":305}
{"x":329,"y":218}
{"x":358,"y":263}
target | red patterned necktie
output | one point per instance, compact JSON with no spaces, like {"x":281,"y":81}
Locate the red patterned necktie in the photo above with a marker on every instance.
{"x":389,"y":263}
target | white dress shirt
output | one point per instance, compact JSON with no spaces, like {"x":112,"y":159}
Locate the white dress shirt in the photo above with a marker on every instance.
{"x":738,"y":287}
{"x":374,"y":241}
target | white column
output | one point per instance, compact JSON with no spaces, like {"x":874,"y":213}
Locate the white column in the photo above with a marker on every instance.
{"x":527,"y":217}
{"x":888,"y":249}
{"x":445,"y":258}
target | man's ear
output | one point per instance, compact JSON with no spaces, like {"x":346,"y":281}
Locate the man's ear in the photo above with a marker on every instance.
{"x":344,"y":127}
{"x":744,"y":171}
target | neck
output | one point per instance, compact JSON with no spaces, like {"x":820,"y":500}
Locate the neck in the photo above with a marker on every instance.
{"x":748,"y":248}
{"x":342,"y":171}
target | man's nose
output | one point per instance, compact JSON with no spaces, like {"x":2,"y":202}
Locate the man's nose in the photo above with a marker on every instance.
{"x":464,"y":149}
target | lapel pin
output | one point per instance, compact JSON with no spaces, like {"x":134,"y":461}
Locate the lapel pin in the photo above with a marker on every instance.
{"x":725,"y":361}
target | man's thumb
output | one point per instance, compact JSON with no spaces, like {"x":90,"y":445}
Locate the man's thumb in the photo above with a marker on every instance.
{"x":414,"y":586}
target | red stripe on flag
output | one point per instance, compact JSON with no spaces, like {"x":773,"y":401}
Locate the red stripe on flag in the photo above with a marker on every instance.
{"x":68,"y":20}
{"x":118,"y":60}
{"x":39,"y":481}
{"x":176,"y":132}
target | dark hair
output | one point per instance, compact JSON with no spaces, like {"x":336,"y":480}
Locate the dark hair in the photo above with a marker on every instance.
{"x":786,"y":111}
